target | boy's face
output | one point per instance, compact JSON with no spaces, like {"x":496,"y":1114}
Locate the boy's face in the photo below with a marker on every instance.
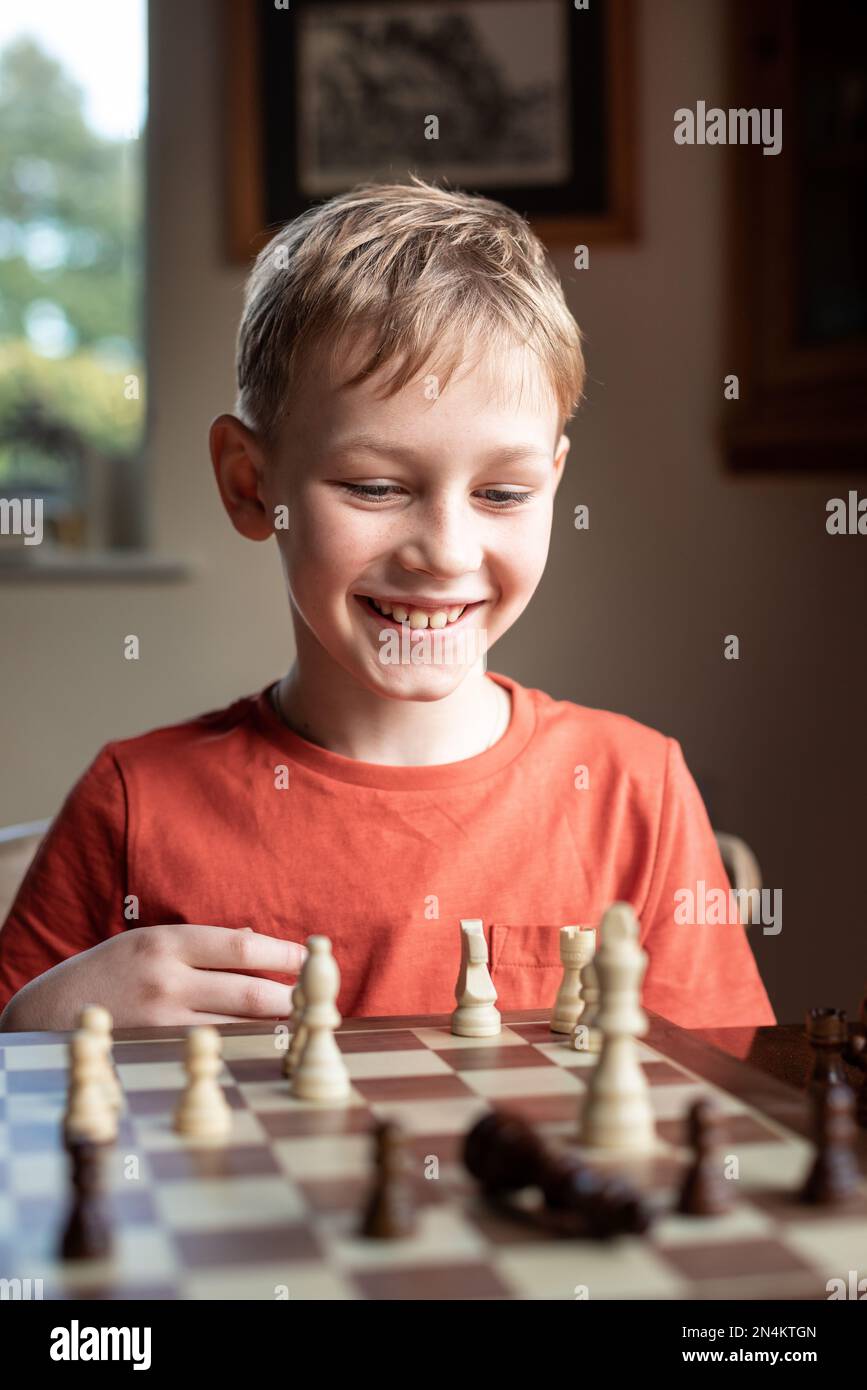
{"x":421,"y":500}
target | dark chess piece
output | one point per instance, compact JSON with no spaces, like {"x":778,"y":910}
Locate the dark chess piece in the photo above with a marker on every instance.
{"x":827,"y":1033}
{"x":704,"y":1191}
{"x":861,"y":1100}
{"x":389,"y":1213}
{"x":607,"y":1204}
{"x":855,"y":1051}
{"x":87,"y":1234}
{"x":505,"y":1155}
{"x":834,"y":1176}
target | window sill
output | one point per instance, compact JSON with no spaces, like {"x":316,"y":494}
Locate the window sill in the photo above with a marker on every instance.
{"x":113,"y":565}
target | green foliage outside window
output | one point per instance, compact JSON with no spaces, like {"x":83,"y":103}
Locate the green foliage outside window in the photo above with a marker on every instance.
{"x":71,"y":264}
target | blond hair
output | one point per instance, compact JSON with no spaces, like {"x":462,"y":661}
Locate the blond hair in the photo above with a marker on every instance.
{"x":420,"y":269}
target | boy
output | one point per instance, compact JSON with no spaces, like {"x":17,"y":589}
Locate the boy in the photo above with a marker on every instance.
{"x":406,"y":367}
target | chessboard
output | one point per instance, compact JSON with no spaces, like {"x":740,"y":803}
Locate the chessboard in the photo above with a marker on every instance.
{"x":273,"y":1212}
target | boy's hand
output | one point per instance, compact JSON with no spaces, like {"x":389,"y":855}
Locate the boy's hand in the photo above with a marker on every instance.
{"x":163,"y":976}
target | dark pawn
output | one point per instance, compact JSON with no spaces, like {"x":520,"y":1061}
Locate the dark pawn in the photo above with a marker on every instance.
{"x":87,"y":1235}
{"x":827,"y":1033}
{"x":834,"y":1176}
{"x":704,"y":1191}
{"x":389,"y":1213}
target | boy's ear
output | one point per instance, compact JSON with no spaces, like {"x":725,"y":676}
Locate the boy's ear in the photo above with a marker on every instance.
{"x":238,"y":461}
{"x":560,"y":459}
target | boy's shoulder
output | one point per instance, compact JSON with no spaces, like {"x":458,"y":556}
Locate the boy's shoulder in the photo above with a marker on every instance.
{"x":609,"y":737}
{"x":207,"y":734}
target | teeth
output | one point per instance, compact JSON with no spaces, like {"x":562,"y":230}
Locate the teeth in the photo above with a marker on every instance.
{"x":416,"y":618}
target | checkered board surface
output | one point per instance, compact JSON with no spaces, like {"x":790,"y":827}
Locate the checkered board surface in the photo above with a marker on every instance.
{"x":273,"y":1212}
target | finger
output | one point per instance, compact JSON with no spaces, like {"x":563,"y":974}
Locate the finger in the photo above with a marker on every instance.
{"x":239,"y":948}
{"x":245,"y":996}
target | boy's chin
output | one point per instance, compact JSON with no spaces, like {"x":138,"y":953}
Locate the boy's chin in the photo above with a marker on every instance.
{"x":417,"y":682}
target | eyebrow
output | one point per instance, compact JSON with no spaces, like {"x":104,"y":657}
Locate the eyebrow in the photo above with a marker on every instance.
{"x":507,"y":453}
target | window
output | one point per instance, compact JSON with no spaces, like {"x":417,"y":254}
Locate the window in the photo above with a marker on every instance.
{"x":72,"y":389}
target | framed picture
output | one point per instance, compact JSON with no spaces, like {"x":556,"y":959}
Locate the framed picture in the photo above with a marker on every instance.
{"x":527,"y":101}
{"x":797,"y":337}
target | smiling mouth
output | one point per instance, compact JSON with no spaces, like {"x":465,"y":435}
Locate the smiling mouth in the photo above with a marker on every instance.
{"x":397,"y":615}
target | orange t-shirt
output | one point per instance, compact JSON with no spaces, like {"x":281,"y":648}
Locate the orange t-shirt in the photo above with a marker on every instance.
{"x":233,"y":819}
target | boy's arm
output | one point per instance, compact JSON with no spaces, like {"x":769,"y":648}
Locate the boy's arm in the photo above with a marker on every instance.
{"x":72,"y":896}
{"x":704,"y":975}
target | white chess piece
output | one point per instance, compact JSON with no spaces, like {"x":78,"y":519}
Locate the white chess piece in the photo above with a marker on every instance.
{"x":475,"y":1015}
{"x":577,"y":945}
{"x":299,"y":1032}
{"x":586,"y":1036}
{"x":203,"y":1111}
{"x":89,"y":1114}
{"x":97,"y":1021}
{"x":617,"y":1112}
{"x":320,"y":1073}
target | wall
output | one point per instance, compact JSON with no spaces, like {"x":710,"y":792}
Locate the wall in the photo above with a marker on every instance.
{"x":678,"y":553}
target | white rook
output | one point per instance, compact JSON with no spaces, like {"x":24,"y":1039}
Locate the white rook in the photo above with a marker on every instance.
{"x":577,"y":945}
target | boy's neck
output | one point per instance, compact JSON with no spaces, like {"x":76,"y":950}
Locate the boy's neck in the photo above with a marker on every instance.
{"x":339,"y":715}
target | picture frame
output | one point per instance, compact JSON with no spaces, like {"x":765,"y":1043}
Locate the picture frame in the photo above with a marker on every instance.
{"x":535,"y":101}
{"x":796,"y":336}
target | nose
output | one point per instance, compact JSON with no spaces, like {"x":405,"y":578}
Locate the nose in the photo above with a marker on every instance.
{"x":444,"y":539}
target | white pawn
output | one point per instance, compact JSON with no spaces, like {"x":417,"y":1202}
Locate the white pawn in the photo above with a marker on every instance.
{"x":586,"y":1036}
{"x":97,"y":1021}
{"x":617,"y":1112}
{"x":299,"y":1032}
{"x":577,"y":945}
{"x":320,"y":1073}
{"x":475,"y":1016}
{"x":88,"y":1113}
{"x":203,"y":1111}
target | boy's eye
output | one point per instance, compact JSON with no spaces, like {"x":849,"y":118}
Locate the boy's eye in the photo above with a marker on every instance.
{"x":378,"y":492}
{"x":504,"y":497}
{"x":372,"y":492}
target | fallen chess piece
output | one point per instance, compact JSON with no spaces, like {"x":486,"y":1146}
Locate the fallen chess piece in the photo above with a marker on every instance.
{"x":203,"y":1111}
{"x":389,"y":1212}
{"x":834,"y":1177}
{"x":87,"y":1233}
{"x":475,"y":1015}
{"x":606,"y":1203}
{"x":504,"y":1153}
{"x":505,"y":1156}
{"x":705,"y":1191}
